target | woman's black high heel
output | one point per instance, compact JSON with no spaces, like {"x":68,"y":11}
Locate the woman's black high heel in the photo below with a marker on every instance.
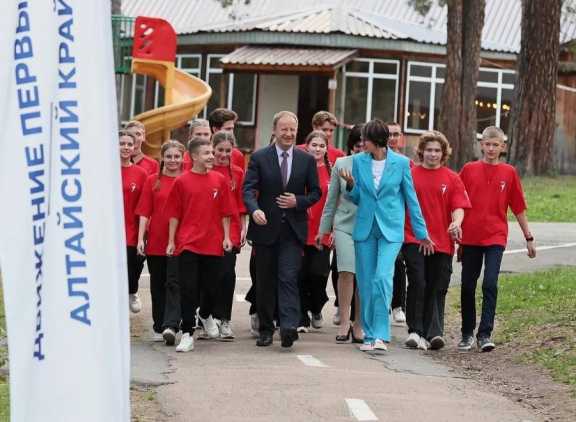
{"x":345,"y":338}
{"x":356,"y":340}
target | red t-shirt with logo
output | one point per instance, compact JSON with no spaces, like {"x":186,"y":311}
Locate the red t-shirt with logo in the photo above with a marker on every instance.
{"x":150,"y":165}
{"x":440,"y":191}
{"x":492,"y":189}
{"x":235,"y":179}
{"x":151,"y":205}
{"x":199,"y":202}
{"x":315,"y":211}
{"x":133,"y":180}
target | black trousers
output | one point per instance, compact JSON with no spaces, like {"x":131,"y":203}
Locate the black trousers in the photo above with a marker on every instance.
{"x":312,"y":282}
{"x":472,"y":257}
{"x":399,"y":283}
{"x":277,"y":269}
{"x":224,"y":292}
{"x":196,"y":273}
{"x":135,"y":267}
{"x":165,"y":292}
{"x":428,"y":282}
{"x":251,"y":294}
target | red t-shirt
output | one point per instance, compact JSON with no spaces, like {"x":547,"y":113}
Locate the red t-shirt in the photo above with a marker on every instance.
{"x":333,"y":153}
{"x":133,"y":179}
{"x":151,"y":205}
{"x":235,"y":182}
{"x":492,"y":189}
{"x":315,"y":211}
{"x":150,"y":165}
{"x":237,"y":159}
{"x":199,"y":202}
{"x":439,"y":192}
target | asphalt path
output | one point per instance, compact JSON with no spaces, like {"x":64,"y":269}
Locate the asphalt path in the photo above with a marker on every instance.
{"x":318,"y":380}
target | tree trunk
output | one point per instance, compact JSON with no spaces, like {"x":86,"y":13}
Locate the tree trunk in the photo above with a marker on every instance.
{"x":534,"y":109}
{"x":458,"y":116}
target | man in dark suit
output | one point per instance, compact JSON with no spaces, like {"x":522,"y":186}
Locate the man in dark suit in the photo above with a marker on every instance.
{"x":281,"y":183}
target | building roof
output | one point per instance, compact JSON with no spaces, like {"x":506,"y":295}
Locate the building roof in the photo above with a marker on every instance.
{"x":296,"y":59}
{"x":374,"y":19}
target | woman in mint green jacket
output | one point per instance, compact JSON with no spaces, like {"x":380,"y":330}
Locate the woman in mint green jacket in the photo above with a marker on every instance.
{"x":380,"y":184}
{"x":338,"y":218}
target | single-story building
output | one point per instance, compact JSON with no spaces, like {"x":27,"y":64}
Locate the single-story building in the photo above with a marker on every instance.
{"x":360,"y":59}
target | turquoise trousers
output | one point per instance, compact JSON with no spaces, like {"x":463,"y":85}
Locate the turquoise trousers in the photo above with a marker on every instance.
{"x":375,"y":259}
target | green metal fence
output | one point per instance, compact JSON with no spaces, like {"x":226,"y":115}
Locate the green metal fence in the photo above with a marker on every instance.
{"x":122,"y":36}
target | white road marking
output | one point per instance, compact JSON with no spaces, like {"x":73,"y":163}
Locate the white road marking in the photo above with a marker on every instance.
{"x":541,"y":248}
{"x":360,"y":410}
{"x":310,"y":360}
{"x":240,"y":298}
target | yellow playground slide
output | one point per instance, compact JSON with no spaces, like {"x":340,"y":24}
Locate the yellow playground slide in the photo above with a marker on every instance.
{"x":153,"y":55}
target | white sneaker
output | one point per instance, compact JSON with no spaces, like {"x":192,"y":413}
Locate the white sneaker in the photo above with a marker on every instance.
{"x":302,"y":329}
{"x":317,"y":321}
{"x":169,"y":336}
{"x":210,"y":327}
{"x":186,"y":343}
{"x":412,"y":341}
{"x":398,"y":315}
{"x":134,"y":302}
{"x":157,"y":337}
{"x":423,"y":344}
{"x":254,"y":325}
{"x":367,"y":347}
{"x":380,"y":345}
{"x":226,"y":333}
{"x":336,"y":317}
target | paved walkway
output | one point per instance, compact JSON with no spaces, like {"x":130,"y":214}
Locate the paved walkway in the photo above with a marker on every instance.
{"x":319,"y":380}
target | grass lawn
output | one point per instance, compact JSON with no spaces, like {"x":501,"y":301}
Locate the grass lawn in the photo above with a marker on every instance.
{"x":537,"y":312}
{"x":550,"y":199}
{"x":4,"y":396}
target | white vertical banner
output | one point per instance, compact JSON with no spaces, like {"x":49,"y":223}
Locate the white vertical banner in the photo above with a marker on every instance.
{"x":62,"y":246}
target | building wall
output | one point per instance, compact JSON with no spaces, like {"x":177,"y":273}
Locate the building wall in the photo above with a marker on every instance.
{"x":275,"y":93}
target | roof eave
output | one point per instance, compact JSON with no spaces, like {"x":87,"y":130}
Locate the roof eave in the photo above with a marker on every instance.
{"x":324,"y":40}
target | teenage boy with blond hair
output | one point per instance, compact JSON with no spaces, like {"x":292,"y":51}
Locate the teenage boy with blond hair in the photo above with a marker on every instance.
{"x":493,"y":187}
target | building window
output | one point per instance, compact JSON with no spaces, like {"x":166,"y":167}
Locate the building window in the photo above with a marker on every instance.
{"x":234,"y":91}
{"x":424,"y":95}
{"x":370,"y":90}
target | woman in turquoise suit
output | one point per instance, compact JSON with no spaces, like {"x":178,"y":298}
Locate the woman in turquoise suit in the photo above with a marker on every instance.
{"x":381,"y":186}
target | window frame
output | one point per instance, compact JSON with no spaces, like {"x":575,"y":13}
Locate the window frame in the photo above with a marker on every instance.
{"x":433,"y":80}
{"x":370,"y":75}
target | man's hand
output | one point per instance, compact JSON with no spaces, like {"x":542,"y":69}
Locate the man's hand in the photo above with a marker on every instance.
{"x":455,"y":231}
{"x":426,"y":247}
{"x":170,"y":249}
{"x":259,"y":217}
{"x":348,"y":178}
{"x":286,"y":200}
{"x":531,"y":249}
{"x":227,"y":244}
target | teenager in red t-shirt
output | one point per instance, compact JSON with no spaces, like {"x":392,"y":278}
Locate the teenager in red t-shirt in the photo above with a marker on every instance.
{"x":133,"y":179}
{"x":225,"y":120}
{"x":150,"y":165}
{"x":199,"y":210}
{"x":223,"y":143}
{"x":493,"y":187}
{"x":154,"y":223}
{"x":316,"y":260}
{"x":443,"y":199}
{"x":199,"y":128}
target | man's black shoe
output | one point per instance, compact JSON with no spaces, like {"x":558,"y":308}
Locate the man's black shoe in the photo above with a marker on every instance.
{"x":264,"y":340}
{"x":288,"y":336}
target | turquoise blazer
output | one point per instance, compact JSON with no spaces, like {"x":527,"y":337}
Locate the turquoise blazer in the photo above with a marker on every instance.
{"x":387,"y":204}
{"x":339,"y":213}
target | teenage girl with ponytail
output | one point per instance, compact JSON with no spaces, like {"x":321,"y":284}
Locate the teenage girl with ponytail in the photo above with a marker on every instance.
{"x":223,"y":143}
{"x":316,"y":260}
{"x":133,"y":179}
{"x":153,"y":239}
